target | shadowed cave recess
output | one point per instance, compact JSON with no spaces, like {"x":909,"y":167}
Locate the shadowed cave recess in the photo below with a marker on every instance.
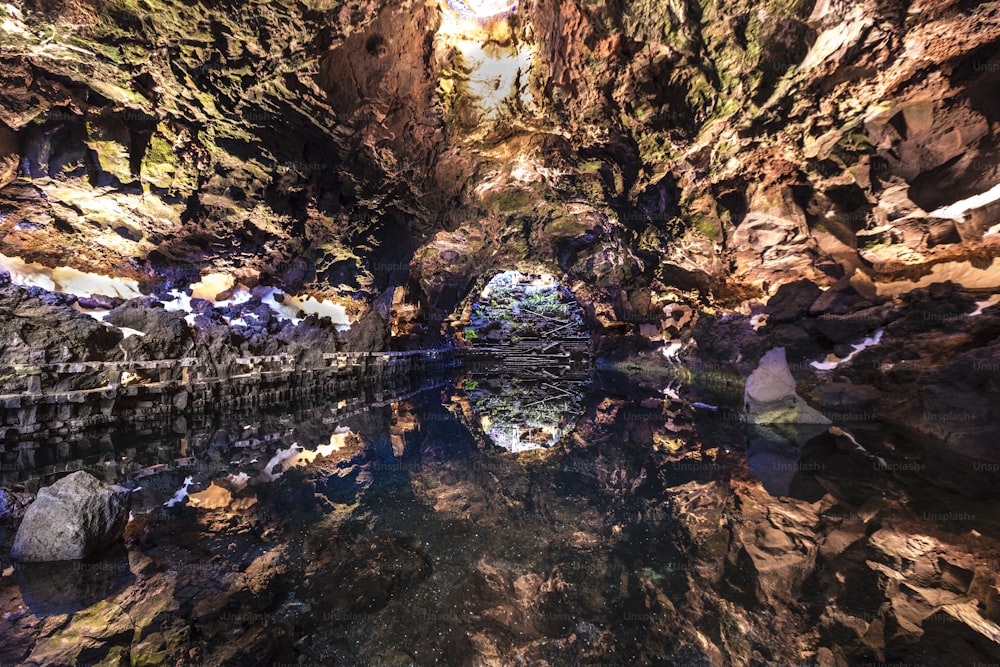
{"x":499,"y":333}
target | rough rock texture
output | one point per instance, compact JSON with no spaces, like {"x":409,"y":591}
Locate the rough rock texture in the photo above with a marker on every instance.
{"x":58,"y":588}
{"x":345,"y":149}
{"x":32,"y":319}
{"x":673,"y":165}
{"x":76,"y":517}
{"x":12,"y":506}
{"x":39,"y":328}
{"x":9,"y":157}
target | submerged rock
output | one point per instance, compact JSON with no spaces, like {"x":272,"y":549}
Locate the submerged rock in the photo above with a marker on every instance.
{"x":77,"y":517}
{"x":848,"y":396}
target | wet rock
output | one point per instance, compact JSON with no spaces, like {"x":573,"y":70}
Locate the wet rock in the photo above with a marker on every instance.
{"x":852,"y":326}
{"x":371,"y":332}
{"x":792,"y":301}
{"x":99,"y":301}
{"x":167,"y":334}
{"x":28,"y":323}
{"x":800,"y":346}
{"x":843,"y":297}
{"x":728,"y":339}
{"x":76,"y":517}
{"x":13,"y":505}
{"x":847,"y":396}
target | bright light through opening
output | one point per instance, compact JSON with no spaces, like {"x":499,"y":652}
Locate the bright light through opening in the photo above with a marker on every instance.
{"x":495,"y":65}
{"x":481,"y":10}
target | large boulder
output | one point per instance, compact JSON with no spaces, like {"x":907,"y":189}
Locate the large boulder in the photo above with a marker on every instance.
{"x":77,"y":517}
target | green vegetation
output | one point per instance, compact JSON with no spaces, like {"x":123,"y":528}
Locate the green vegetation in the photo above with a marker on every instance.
{"x":706,"y":226}
{"x":546,"y":303}
{"x":511,"y":200}
{"x":856,"y":141}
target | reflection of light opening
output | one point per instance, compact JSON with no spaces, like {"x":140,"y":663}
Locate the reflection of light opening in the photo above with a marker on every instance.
{"x":67,"y":280}
{"x":482,"y":10}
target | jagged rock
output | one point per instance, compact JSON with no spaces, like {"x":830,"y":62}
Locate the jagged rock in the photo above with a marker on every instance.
{"x":75,"y":518}
{"x":9,"y":157}
{"x":792,"y":301}
{"x":12,"y":505}
{"x":36,"y":330}
{"x":843,"y":297}
{"x":167,"y":335}
{"x":773,"y":250}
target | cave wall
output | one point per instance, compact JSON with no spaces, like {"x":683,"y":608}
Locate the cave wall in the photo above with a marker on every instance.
{"x":338,"y":148}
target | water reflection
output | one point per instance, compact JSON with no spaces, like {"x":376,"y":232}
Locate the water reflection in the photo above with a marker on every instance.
{"x":55,"y":589}
{"x":399,"y":534}
{"x":520,"y":415}
{"x":774,"y":450}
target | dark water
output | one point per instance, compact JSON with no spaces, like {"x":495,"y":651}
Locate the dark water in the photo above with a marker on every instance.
{"x":651,"y":532}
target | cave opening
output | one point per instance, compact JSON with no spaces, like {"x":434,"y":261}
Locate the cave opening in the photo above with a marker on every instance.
{"x":527,"y":360}
{"x":519,"y":314}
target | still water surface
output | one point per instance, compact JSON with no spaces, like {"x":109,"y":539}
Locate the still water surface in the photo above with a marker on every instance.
{"x":466,"y":522}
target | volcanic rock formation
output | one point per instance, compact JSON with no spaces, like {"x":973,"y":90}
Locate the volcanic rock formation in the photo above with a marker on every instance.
{"x":76,"y":517}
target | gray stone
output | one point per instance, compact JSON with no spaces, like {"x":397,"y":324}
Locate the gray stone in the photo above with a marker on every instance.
{"x":772,"y":381}
{"x":77,"y":517}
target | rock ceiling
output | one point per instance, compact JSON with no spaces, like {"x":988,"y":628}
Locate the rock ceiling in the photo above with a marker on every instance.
{"x":625,"y":147}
